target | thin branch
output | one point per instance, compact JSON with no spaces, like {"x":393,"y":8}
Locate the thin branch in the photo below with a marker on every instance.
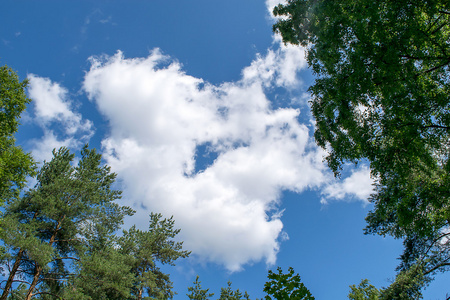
{"x":435,"y":241}
{"x":55,"y":279}
{"x":437,"y":67}
{"x":48,"y":293}
{"x":434,"y":23}
{"x":439,"y":28}
{"x":423,"y":58}
{"x":437,"y":267}
{"x":67,"y":257}
{"x":21,"y":281}
{"x":435,"y":126}
{"x":69,"y":240}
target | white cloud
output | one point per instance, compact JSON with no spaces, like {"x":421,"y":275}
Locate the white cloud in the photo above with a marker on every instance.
{"x":271,"y":5}
{"x":54,"y":113}
{"x":291,"y":57}
{"x":281,"y":65}
{"x":159,"y":116}
{"x":51,"y":104}
{"x":43,"y":147}
{"x":358,"y":185}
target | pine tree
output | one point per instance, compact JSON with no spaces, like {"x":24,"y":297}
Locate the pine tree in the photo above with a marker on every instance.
{"x":228,"y":294}
{"x":197,"y":293}
{"x":48,"y":227}
{"x":146,"y":250}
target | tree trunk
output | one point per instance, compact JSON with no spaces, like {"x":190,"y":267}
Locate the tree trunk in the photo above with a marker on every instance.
{"x":34,"y":282}
{"x":140,"y":294}
{"x":11,"y":275}
{"x":38,"y":271}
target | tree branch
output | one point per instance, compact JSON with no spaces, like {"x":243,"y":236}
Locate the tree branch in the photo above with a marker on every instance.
{"x":436,"y":126}
{"x":21,"y":281}
{"x":67,"y":257}
{"x":48,"y":293}
{"x":437,"y":67}
{"x":437,"y":267}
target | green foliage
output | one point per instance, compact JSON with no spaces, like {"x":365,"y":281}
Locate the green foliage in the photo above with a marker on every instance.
{"x":60,"y":238}
{"x":49,"y":226}
{"x":228,"y":294}
{"x":407,"y":285}
{"x":197,"y":293}
{"x":126,"y":267}
{"x":382,"y":79}
{"x":381,"y":94}
{"x":364,"y":291}
{"x":101,"y":274}
{"x":19,"y":293}
{"x":15,"y":164}
{"x":144,"y":249}
{"x":286,"y":286}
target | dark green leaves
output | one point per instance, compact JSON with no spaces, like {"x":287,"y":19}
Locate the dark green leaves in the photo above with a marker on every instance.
{"x":286,"y":286}
{"x":382,"y":94}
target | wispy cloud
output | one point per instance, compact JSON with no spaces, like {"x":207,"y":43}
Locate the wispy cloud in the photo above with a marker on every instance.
{"x":92,"y":19}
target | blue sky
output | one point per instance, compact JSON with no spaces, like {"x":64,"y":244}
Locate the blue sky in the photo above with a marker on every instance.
{"x":203,"y":114}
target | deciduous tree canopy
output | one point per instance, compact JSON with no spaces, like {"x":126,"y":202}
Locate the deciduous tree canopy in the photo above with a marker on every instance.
{"x":15,"y":164}
{"x":286,"y":286}
{"x":382,"y":94}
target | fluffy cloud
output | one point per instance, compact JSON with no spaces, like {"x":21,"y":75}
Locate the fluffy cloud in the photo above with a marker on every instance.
{"x":358,"y":185}
{"x":159,"y":117}
{"x":160,"y":121}
{"x":281,"y":65}
{"x":54,"y":113}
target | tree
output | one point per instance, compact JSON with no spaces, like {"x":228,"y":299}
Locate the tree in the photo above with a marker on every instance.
{"x":145,"y":250}
{"x":197,"y":293}
{"x":364,"y":291}
{"x":126,"y":267}
{"x":49,"y":225}
{"x":286,"y":286}
{"x":101,"y":273}
{"x":407,"y":285}
{"x":228,"y":294}
{"x":381,"y":95}
{"x":15,"y":164}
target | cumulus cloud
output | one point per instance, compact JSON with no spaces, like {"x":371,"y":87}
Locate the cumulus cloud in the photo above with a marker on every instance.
{"x":159,"y":116}
{"x":358,"y":185}
{"x":281,"y":65}
{"x":53,"y":111}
